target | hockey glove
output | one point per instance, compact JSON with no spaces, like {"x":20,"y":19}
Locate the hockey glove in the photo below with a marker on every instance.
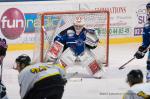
{"x":91,"y":39}
{"x":140,"y":53}
{"x":3,"y":47}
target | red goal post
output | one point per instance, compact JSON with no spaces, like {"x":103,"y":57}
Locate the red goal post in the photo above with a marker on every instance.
{"x":54,"y":22}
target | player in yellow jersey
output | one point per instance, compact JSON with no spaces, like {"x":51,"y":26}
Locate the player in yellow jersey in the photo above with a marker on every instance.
{"x":40,"y":80}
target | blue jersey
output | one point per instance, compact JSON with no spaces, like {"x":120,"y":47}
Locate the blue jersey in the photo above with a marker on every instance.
{"x":146,"y":35}
{"x":69,"y":38}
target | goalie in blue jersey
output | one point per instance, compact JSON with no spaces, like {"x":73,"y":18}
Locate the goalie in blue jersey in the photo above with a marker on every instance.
{"x":76,"y":41}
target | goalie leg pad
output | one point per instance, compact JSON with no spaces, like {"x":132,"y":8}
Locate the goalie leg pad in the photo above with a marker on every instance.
{"x":67,"y":58}
{"x":94,"y":67}
{"x":90,"y":62}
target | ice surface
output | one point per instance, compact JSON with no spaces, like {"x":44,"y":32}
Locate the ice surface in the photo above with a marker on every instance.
{"x":111,"y":86}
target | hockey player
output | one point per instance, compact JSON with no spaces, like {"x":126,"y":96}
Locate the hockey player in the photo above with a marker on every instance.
{"x":77,"y":40}
{"x":40,"y":80}
{"x":3,"y":49}
{"x":146,"y":42}
{"x":138,"y":90}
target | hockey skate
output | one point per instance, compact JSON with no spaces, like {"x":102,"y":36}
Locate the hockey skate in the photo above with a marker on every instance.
{"x":148,"y":76}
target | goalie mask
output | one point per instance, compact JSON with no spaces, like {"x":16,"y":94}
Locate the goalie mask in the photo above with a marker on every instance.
{"x":22,"y":61}
{"x":134,"y":77}
{"x":148,"y":11}
{"x":79,"y":24}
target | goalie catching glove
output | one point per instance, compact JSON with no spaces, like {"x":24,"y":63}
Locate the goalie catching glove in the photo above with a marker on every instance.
{"x":140,"y":53}
{"x":91,"y":39}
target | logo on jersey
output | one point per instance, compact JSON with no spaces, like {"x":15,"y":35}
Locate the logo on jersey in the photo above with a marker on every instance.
{"x":70,"y":33}
{"x":12,"y":23}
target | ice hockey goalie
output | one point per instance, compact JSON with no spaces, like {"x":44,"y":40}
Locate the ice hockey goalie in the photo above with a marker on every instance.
{"x":76,"y":44}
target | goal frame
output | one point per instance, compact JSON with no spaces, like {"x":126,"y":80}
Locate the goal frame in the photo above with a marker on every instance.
{"x":74,"y":12}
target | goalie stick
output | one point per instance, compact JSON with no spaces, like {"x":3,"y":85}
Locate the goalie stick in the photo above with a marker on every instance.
{"x":71,"y":76}
{"x":76,"y":73}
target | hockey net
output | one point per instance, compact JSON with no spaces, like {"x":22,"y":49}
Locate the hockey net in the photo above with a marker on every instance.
{"x":55,"y":22}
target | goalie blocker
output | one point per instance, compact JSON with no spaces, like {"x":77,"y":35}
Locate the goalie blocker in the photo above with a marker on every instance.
{"x":54,"y":52}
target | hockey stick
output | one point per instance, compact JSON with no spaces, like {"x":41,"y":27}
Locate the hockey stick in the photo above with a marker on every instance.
{"x":123,"y":66}
{"x":1,"y":65}
{"x":1,"y":72}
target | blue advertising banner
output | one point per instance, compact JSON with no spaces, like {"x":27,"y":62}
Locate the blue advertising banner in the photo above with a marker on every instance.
{"x":30,"y":19}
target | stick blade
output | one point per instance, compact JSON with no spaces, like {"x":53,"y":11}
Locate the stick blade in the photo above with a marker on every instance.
{"x":120,"y":68}
{"x":123,"y":66}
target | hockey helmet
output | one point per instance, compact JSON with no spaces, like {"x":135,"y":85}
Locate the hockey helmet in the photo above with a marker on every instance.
{"x":23,"y":59}
{"x":134,"y":77}
{"x":148,"y":11}
{"x":78,"y":24}
{"x":148,"y":5}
